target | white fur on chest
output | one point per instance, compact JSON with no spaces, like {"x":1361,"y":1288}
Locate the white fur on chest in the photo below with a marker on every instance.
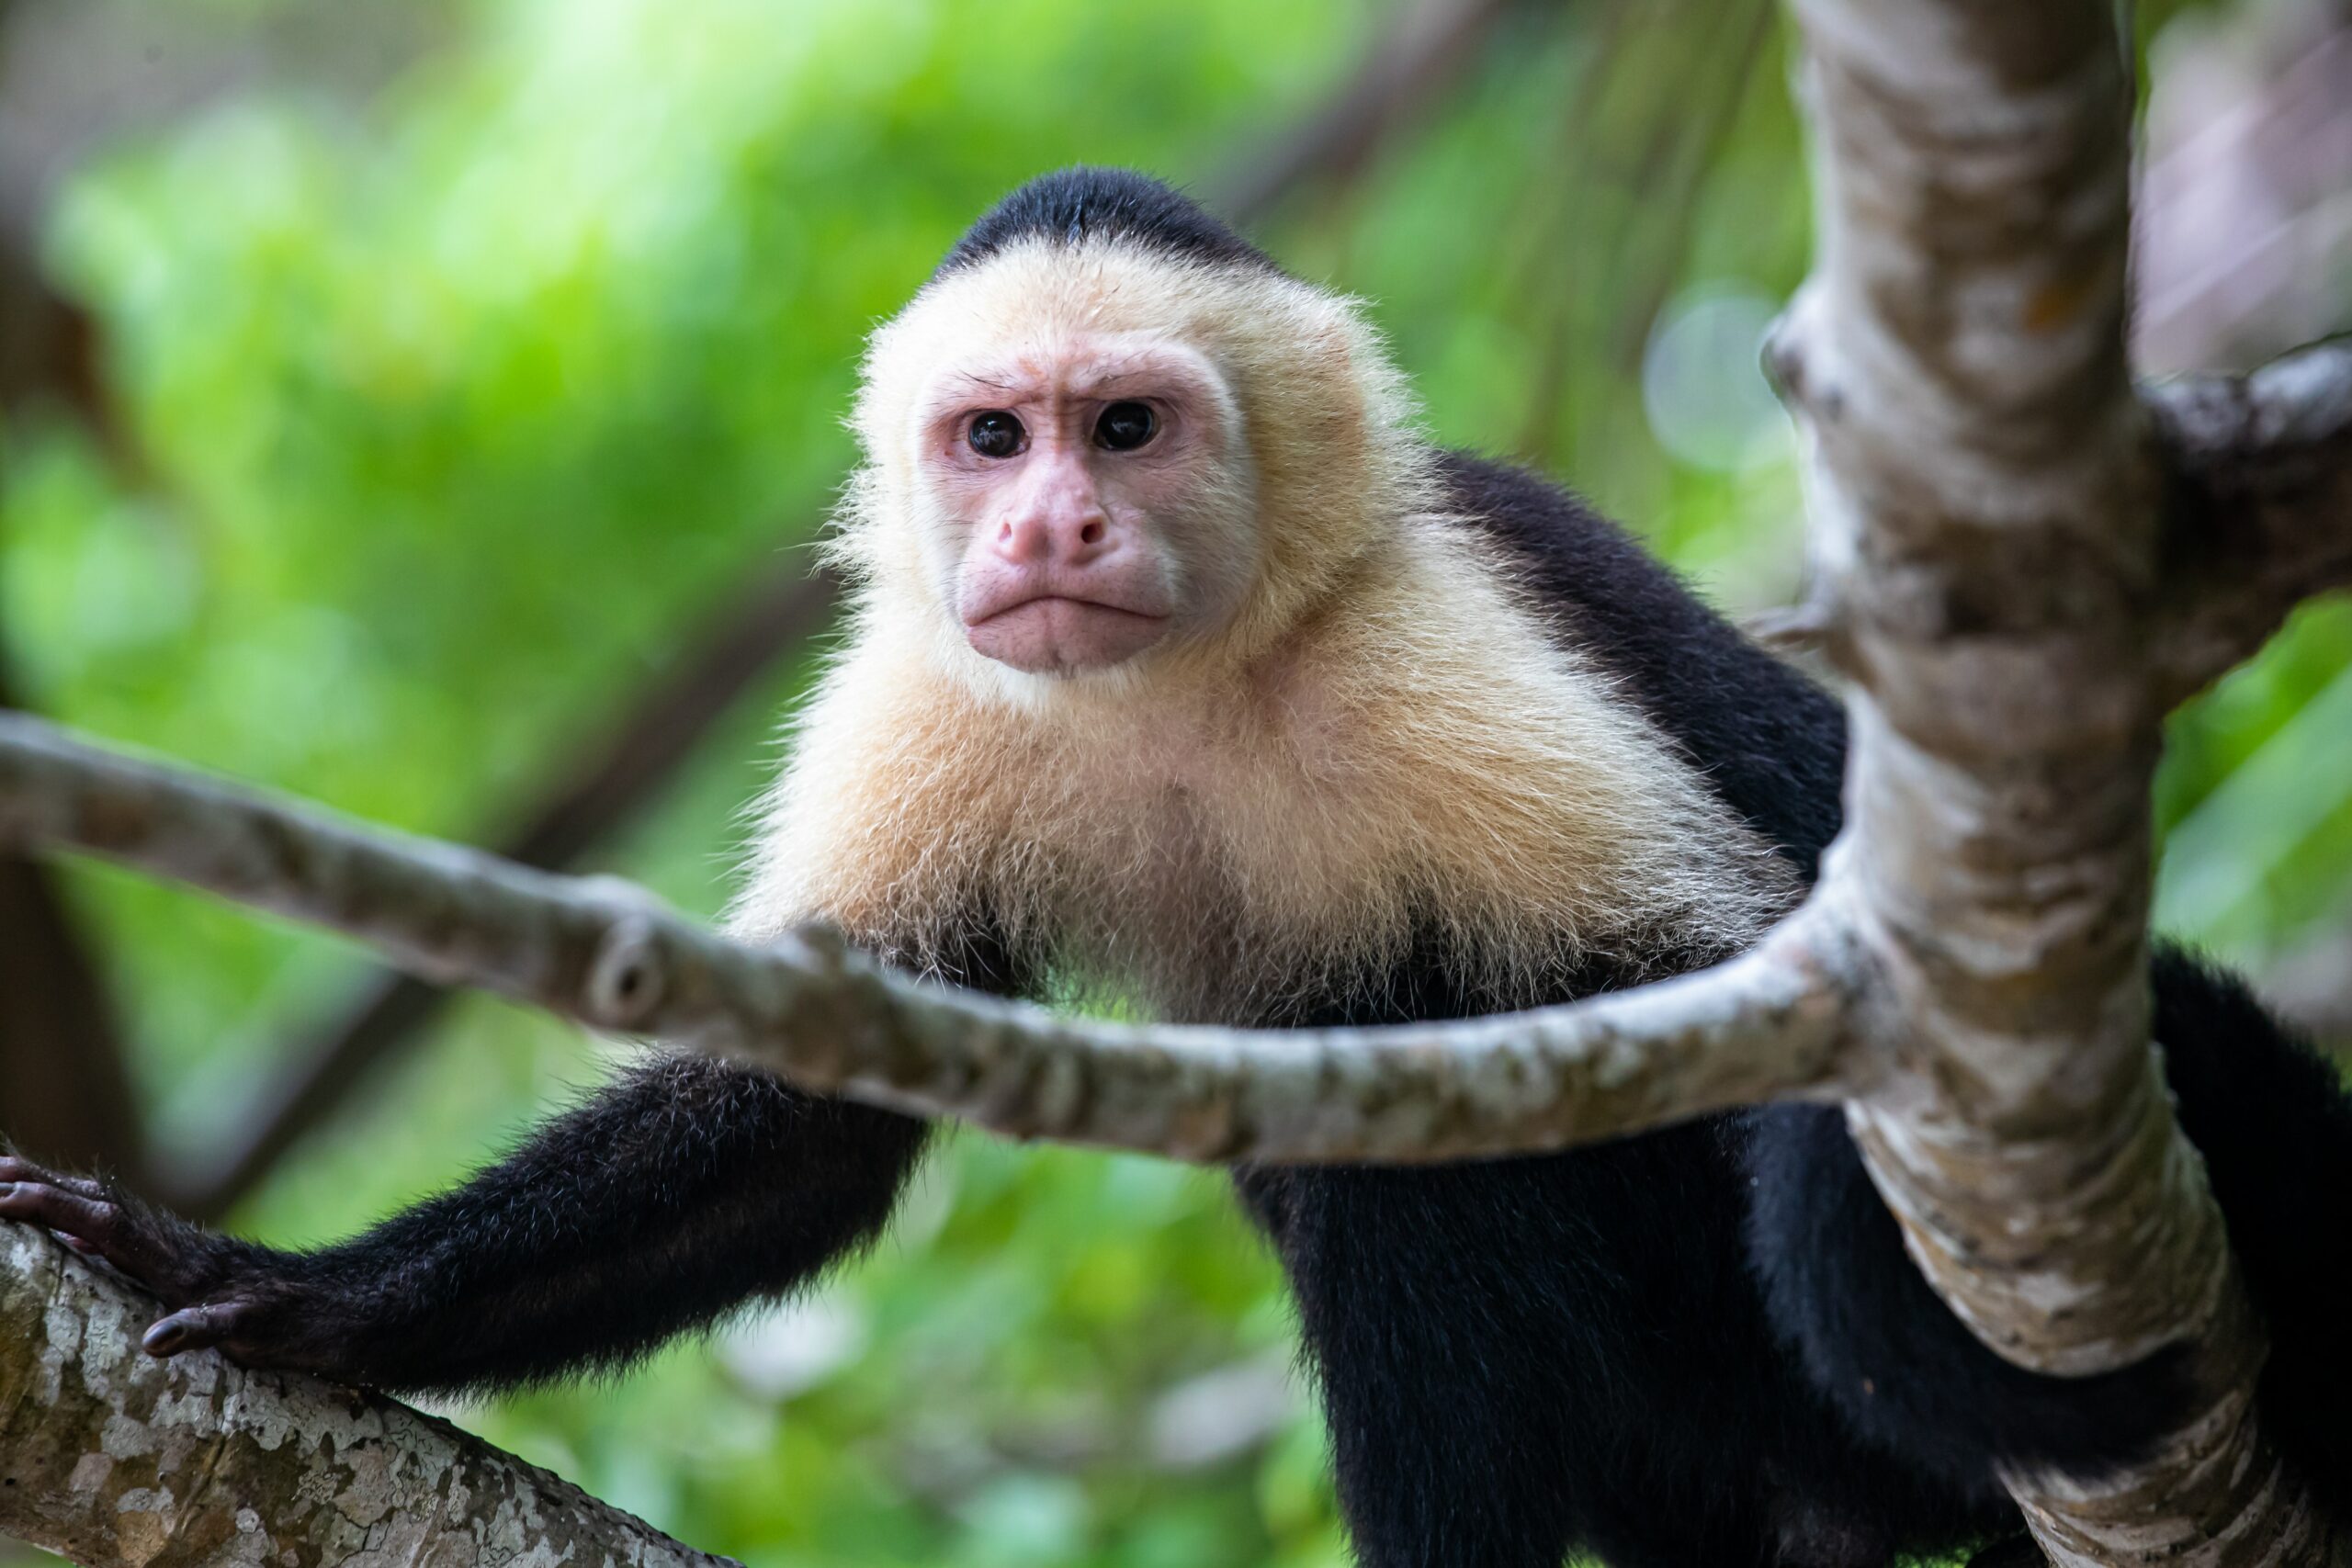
{"x":1217,"y":846}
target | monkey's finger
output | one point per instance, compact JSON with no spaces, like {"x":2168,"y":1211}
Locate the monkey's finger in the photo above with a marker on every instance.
{"x":60,"y":1209}
{"x":16,"y":1168}
{"x":93,"y":1225}
{"x":192,"y":1328}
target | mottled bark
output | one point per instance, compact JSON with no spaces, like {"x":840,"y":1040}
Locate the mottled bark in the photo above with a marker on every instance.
{"x":1990,"y":533}
{"x":604,"y":953}
{"x":111,"y":1457}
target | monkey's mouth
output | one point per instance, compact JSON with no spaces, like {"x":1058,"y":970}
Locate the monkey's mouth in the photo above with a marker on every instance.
{"x":1059,"y":634}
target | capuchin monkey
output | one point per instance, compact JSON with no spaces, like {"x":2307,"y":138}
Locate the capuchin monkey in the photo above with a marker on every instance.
{"x":1186,"y":670}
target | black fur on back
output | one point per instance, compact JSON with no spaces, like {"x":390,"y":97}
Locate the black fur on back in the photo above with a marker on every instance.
{"x":1771,"y":744}
{"x":1073,"y":205}
{"x":1826,"y":1270}
{"x":1518,"y":1355}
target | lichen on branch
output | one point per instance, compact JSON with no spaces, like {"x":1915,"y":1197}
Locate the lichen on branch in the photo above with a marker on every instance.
{"x":115,"y":1459}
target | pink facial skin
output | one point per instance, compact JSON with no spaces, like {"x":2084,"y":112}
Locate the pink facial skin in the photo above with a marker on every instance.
{"x":1067,"y":557}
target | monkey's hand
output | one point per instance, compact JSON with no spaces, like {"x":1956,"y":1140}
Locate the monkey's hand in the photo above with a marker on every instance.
{"x":218,"y":1292}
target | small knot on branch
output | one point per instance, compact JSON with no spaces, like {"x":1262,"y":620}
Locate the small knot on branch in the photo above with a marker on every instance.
{"x":824,"y":948}
{"x":1809,"y":625}
{"x":1783,"y":358}
{"x":1790,"y":369}
{"x":628,"y":977}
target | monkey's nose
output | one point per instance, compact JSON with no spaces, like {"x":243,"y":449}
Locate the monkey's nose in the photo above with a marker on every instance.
{"x":1070,"y":538}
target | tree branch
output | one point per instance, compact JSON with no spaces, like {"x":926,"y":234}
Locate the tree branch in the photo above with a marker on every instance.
{"x":2261,"y":514}
{"x":1987,"y":527}
{"x":118,"y":1460}
{"x":604,"y":953}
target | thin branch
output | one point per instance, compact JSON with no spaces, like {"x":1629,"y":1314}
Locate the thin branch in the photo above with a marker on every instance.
{"x":2261,"y":520}
{"x":1407,"y":72}
{"x":603,"y":953}
{"x":118,"y":1460}
{"x":635,"y":762}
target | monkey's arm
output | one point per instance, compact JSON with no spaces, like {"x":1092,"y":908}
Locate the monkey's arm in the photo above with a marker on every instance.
{"x":684,"y":1189}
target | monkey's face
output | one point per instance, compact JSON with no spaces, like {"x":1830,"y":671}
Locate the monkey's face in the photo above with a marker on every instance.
{"x":1096,"y":460}
{"x":1088,"y":507}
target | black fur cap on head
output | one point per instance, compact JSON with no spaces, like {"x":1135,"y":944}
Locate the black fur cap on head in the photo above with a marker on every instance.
{"x":1071,"y":206}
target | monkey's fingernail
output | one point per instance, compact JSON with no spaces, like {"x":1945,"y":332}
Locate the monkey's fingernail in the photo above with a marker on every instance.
{"x":165,"y":1337}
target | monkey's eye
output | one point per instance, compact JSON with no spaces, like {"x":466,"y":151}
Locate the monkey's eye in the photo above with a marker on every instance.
{"x":1125,"y":426}
{"x":996,"y":434}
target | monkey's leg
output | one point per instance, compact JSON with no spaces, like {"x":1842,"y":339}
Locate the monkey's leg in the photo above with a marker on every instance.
{"x":1902,"y":1371}
{"x":2272,"y":1120}
{"x":1464,"y":1426}
{"x":686,"y":1188}
{"x":1519,"y":1355}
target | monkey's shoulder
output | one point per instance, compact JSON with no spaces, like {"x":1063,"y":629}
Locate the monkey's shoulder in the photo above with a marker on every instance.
{"x":1770,"y":742}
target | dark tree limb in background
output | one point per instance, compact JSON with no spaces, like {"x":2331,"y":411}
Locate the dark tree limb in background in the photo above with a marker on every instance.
{"x":50,"y":352}
{"x":63,"y":1078}
{"x":61,"y":1050}
{"x":2260,"y":506}
{"x":1404,"y":76}
{"x":616,"y":780}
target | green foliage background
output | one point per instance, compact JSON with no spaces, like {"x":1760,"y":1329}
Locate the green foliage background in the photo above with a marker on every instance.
{"x":462,"y":403}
